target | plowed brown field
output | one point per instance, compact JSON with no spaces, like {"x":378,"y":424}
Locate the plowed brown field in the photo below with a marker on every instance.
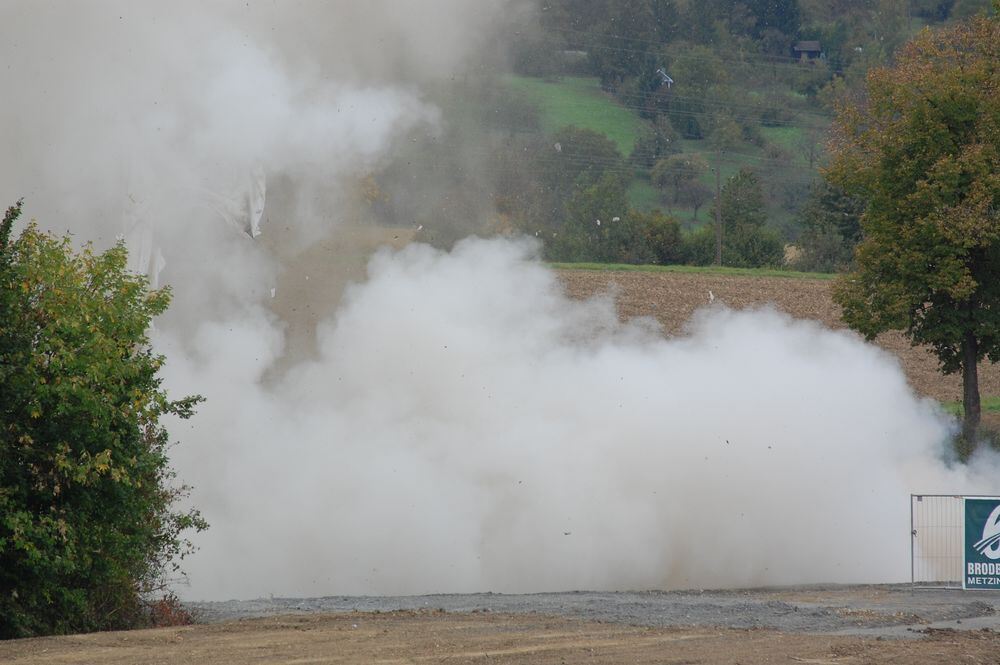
{"x":672,"y":297}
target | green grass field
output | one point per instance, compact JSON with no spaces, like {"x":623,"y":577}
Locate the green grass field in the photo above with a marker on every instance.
{"x":989,"y":405}
{"x":704,"y":270}
{"x":787,"y":138}
{"x":579,"y":101}
{"x":643,"y":196}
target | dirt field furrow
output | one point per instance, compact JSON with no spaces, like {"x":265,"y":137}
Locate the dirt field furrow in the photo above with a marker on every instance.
{"x":671,"y":298}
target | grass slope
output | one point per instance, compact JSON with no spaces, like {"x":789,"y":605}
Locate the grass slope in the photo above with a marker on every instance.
{"x":579,"y":101}
{"x":643,"y":196}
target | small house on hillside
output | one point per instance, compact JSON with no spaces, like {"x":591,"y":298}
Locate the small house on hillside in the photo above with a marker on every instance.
{"x":807,"y":50}
{"x":665,"y":80}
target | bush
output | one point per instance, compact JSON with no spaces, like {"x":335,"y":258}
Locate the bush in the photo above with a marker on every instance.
{"x":750,"y":246}
{"x":87,"y":530}
{"x":831,"y":222}
{"x":698,"y":247}
{"x":657,"y":141}
{"x":658,"y":238}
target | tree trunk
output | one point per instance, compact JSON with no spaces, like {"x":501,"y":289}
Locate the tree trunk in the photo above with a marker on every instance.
{"x":970,"y":387}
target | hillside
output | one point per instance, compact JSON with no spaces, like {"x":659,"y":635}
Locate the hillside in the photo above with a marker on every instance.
{"x":780,"y":152}
{"x":579,"y":101}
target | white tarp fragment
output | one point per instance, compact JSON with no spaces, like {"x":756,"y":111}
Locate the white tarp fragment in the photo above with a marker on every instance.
{"x":243,"y":209}
{"x":258,"y":192}
{"x":144,"y":257}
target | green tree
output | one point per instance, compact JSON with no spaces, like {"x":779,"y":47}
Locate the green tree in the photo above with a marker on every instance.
{"x":658,"y":140}
{"x":701,"y":78}
{"x":746,"y":243}
{"x":742,"y":201}
{"x":673,"y":174}
{"x":923,"y":154}
{"x":658,"y":238}
{"x":573,"y":160}
{"x":87,"y":528}
{"x":831,"y":223}
{"x":780,"y":15}
{"x":624,"y":44}
{"x":594,"y":230}
{"x":694,"y":194}
{"x":968,"y":8}
{"x":933,"y":10}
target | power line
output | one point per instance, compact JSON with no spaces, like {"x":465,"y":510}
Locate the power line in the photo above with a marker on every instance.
{"x":748,"y":112}
{"x":745,"y":57}
{"x":762,"y":105}
{"x":568,"y":155}
{"x":612,"y":167}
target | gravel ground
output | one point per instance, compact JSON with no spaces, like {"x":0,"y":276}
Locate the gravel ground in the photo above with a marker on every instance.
{"x":883,"y":610}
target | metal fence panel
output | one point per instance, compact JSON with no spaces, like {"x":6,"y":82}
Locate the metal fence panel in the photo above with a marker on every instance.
{"x":936,"y":523}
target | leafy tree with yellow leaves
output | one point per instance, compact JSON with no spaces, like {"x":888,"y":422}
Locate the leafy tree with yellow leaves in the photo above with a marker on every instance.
{"x":87,"y":525}
{"x":922,"y":152}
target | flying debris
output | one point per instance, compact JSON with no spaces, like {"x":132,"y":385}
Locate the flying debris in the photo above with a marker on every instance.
{"x":144,"y":257}
{"x":244,"y":208}
{"x":558,"y":147}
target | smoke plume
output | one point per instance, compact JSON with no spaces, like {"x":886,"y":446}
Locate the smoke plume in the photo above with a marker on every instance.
{"x":458,"y":423}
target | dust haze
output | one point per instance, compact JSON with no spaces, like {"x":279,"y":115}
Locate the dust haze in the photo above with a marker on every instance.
{"x":453,"y":422}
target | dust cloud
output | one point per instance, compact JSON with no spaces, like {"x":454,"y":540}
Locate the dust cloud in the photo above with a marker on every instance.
{"x":467,"y":427}
{"x":459,"y":424}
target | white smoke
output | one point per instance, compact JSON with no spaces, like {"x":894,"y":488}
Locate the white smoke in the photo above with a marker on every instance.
{"x":467,"y":427}
{"x":463,"y":425}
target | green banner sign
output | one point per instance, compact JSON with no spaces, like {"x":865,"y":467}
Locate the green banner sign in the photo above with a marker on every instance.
{"x":981,"y":566}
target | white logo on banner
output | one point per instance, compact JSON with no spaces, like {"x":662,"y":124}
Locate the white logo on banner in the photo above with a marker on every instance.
{"x":989,"y":545}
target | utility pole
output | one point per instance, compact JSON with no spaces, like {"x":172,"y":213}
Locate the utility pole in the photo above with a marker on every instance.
{"x":718,"y":208}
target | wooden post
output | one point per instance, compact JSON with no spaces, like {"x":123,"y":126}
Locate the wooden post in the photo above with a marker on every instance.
{"x":718,"y":208}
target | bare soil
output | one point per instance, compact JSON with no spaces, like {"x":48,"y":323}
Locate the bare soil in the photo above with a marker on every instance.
{"x":671,"y":298}
{"x":438,"y":637}
{"x":314,"y":277}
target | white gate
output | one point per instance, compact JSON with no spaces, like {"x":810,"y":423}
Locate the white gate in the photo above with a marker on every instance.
{"x":936,"y":523}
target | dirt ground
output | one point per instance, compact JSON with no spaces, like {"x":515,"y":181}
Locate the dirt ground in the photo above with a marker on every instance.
{"x":669,"y":297}
{"x":438,"y":637}
{"x":672,"y":297}
{"x":806,"y":624}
